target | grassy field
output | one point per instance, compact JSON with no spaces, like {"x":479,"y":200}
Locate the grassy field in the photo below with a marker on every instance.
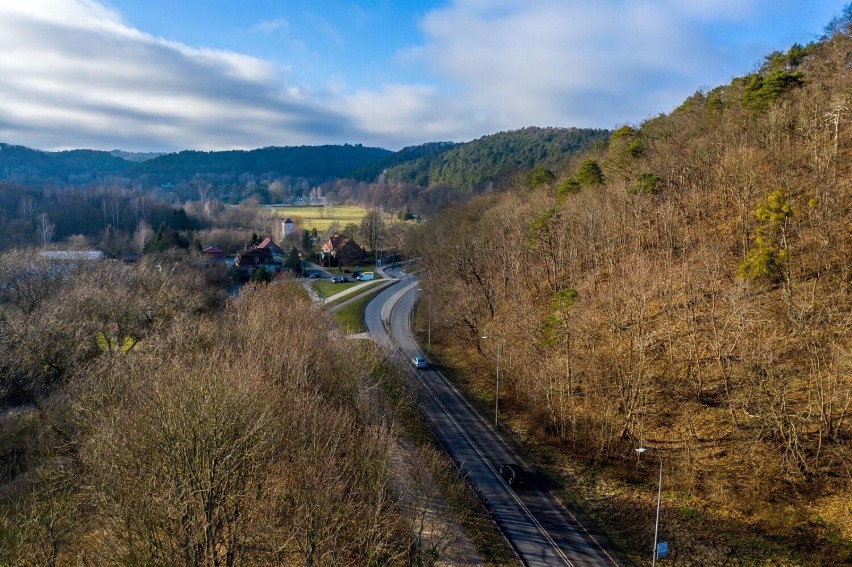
{"x":321,"y":218}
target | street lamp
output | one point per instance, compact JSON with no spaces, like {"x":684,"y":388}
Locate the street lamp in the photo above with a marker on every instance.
{"x":641,"y":450}
{"x":497,"y":386}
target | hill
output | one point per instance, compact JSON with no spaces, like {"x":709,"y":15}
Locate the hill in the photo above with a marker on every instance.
{"x":466,"y":166}
{"x":311,"y":162}
{"x":376,"y":169}
{"x":687,"y":289}
{"x":495,"y":157}
{"x":21,"y":164}
{"x":25,"y":165}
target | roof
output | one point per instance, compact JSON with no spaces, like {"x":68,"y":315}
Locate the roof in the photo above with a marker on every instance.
{"x":268,"y":244}
{"x":255,"y":254}
{"x":213,"y":251}
{"x":334,"y":243}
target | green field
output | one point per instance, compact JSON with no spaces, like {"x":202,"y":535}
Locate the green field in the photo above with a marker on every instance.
{"x":321,"y":218}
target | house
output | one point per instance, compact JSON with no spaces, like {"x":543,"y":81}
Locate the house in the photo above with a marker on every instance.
{"x":265,"y":256}
{"x":213,"y":253}
{"x":287,"y":227}
{"x":333,"y":244}
{"x":344,"y":250}
{"x":276,"y":250}
{"x":248,"y":262}
{"x":213,"y":256}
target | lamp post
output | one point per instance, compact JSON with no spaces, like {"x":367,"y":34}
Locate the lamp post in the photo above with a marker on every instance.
{"x":641,"y":450}
{"x":497,"y":385}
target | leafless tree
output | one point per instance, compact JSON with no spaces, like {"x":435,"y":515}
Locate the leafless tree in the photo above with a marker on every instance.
{"x":46,"y":229}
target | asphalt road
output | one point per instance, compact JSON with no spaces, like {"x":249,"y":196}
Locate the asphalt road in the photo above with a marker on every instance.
{"x":540,"y":529}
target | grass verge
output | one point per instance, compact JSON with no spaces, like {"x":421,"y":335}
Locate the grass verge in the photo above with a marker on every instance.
{"x":325,"y":288}
{"x":340,"y":300}
{"x":351,"y":317}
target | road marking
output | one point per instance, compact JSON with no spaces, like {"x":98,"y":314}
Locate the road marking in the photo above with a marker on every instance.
{"x":386,"y":311}
{"x":487,"y":462}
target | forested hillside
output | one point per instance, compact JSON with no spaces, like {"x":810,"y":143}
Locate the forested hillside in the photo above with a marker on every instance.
{"x":685,"y":288}
{"x":76,"y":167}
{"x":313,"y":162}
{"x":21,"y":164}
{"x":496,"y":157}
{"x":375,"y":170}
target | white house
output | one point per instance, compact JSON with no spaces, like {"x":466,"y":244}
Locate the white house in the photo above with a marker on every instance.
{"x":287,"y":227}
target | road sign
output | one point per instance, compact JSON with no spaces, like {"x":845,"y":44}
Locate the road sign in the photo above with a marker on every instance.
{"x":662,"y":549}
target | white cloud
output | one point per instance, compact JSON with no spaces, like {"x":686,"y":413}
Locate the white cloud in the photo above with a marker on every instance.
{"x":73,"y":74}
{"x":408,"y":114}
{"x":581,"y":63}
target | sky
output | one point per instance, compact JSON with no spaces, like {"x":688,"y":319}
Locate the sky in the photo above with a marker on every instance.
{"x":167,"y":75}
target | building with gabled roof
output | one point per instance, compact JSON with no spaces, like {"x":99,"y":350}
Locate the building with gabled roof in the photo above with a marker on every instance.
{"x":344,"y":250}
{"x":269,"y":244}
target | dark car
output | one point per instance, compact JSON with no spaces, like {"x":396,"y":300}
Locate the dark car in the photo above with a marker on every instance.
{"x":514,"y":475}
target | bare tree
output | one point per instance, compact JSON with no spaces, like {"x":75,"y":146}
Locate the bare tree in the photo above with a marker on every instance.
{"x":372,"y":231}
{"x":143,"y":235}
{"x":46,"y":229}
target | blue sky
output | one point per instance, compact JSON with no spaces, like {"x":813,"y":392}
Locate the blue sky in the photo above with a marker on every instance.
{"x":158,"y":75}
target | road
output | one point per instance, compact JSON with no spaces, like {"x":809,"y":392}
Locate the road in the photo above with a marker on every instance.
{"x":540,"y":529}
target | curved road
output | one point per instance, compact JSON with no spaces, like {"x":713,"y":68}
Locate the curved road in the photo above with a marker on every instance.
{"x":537,"y":525}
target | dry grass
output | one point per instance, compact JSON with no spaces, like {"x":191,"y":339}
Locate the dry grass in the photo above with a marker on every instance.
{"x":322,"y":217}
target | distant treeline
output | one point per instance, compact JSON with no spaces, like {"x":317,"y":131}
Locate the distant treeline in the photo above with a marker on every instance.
{"x":78,"y":167}
{"x":461,"y":166}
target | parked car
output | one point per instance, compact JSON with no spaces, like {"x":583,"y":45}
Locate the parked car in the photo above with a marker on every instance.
{"x":514,"y":475}
{"x":336,"y":279}
{"x":366,"y":276}
{"x":419,"y":362}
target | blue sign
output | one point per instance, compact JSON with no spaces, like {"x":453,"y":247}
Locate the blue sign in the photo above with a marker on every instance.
{"x":662,"y":549}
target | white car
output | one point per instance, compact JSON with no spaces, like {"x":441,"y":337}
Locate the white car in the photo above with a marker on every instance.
{"x":366,"y":276}
{"x":419,"y":362}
